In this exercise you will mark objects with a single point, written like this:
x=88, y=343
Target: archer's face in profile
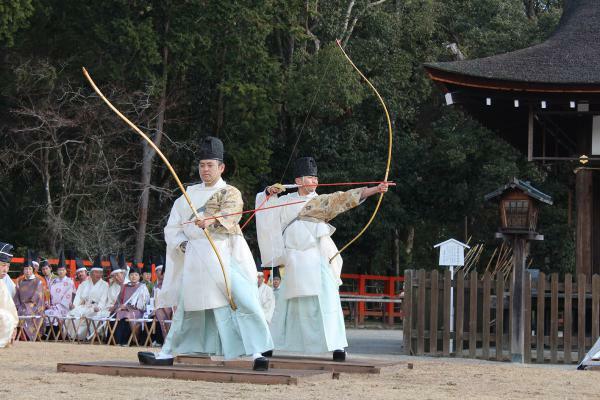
x=308, y=183
x=210, y=171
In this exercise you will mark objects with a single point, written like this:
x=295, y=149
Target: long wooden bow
x=170, y=167
x=389, y=156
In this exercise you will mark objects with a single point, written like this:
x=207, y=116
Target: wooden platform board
x=294, y=363
x=195, y=372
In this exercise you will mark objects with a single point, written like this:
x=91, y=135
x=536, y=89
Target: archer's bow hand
x=275, y=189
x=368, y=192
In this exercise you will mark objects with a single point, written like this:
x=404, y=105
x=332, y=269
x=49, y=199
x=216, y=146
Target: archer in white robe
x=194, y=282
x=89, y=296
x=308, y=316
x=9, y=318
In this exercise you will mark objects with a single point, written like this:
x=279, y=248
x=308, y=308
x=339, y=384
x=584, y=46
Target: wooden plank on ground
x=421, y=313
x=527, y=318
x=499, y=315
x=554, y=318
x=581, y=280
x=407, y=306
x=447, y=307
x=194, y=372
x=433, y=316
x=460, y=311
x=485, y=323
x=539, y=330
x=359, y=366
x=568, y=318
x=473, y=314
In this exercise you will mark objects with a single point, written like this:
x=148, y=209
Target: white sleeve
x=174, y=258
x=269, y=233
x=174, y=234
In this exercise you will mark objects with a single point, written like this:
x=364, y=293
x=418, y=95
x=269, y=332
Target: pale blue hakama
x=222, y=331
x=310, y=324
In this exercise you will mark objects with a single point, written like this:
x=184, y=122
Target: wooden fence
x=561, y=318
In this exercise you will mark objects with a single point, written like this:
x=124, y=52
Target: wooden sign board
x=452, y=253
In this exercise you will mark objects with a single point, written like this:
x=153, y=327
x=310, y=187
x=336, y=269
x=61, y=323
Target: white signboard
x=452, y=253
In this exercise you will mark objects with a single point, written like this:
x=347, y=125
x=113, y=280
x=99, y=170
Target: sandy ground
x=28, y=371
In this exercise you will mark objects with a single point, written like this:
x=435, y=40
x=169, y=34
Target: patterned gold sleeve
x=225, y=201
x=326, y=207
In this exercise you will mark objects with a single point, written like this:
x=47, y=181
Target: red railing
x=378, y=287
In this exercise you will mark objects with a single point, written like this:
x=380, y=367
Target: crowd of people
x=45, y=296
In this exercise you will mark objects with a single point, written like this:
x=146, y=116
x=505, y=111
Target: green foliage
x=263, y=76
x=13, y=16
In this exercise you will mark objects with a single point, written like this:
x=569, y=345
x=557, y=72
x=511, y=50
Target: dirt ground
x=28, y=371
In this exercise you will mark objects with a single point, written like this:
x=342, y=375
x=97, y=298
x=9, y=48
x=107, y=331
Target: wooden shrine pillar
x=584, y=199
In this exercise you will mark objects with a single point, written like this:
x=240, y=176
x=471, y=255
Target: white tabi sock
x=163, y=356
x=256, y=355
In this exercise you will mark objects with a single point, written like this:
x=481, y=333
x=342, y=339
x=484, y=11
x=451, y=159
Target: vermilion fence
x=382, y=290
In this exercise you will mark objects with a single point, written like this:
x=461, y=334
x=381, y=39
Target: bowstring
x=302, y=128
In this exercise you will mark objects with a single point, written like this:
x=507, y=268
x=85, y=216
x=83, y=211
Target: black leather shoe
x=339, y=355
x=268, y=353
x=148, y=358
x=261, y=364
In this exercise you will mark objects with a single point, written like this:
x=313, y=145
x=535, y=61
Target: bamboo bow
x=389, y=155
x=170, y=167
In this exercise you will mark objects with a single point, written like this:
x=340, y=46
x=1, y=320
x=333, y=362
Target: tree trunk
x=148, y=157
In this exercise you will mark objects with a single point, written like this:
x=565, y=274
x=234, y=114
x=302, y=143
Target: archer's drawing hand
x=204, y=223
x=276, y=189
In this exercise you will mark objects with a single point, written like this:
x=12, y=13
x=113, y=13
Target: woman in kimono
x=29, y=300
x=62, y=289
x=130, y=304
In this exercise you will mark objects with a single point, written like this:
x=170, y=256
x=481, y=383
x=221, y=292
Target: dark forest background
x=259, y=75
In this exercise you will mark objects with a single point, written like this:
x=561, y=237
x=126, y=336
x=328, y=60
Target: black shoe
x=261, y=364
x=268, y=353
x=148, y=358
x=339, y=355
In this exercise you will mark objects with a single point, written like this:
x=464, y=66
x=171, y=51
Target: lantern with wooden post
x=519, y=205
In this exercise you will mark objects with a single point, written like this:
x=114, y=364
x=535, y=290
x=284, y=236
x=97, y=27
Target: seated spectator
x=147, y=274
x=9, y=318
x=90, y=300
x=36, y=268
x=61, y=292
x=29, y=299
x=81, y=273
x=47, y=276
x=130, y=304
